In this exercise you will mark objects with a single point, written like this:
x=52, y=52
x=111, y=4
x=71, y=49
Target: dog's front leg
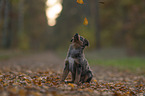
x=73, y=78
x=78, y=73
x=65, y=71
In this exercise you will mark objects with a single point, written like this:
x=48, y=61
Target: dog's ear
x=71, y=40
x=86, y=42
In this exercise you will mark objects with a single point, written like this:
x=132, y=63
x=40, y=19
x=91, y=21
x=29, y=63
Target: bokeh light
x=53, y=10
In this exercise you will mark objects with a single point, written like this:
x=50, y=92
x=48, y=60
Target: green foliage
x=88, y=33
x=23, y=42
x=34, y=27
x=128, y=2
x=15, y=2
x=121, y=24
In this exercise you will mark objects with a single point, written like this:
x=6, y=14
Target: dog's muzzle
x=76, y=37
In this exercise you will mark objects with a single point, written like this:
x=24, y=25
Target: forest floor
x=39, y=75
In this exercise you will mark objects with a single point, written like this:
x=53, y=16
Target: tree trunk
x=21, y=17
x=94, y=7
x=21, y=34
x=1, y=5
x=6, y=24
x=98, y=35
x=9, y=35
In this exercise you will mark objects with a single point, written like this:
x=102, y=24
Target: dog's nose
x=76, y=34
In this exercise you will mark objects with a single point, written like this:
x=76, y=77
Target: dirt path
x=34, y=62
x=41, y=74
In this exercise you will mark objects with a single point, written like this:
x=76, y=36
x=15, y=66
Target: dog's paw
x=69, y=81
x=76, y=82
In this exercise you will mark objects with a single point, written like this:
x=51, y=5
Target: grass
x=116, y=58
x=105, y=57
x=113, y=57
x=4, y=57
x=128, y=63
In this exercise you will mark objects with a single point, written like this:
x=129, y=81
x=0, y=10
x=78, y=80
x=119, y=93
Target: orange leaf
x=80, y=1
x=22, y=92
x=127, y=92
x=71, y=85
x=85, y=21
x=95, y=80
x=1, y=80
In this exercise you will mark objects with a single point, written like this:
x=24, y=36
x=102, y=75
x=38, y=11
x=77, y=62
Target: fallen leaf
x=95, y=80
x=22, y=92
x=71, y=85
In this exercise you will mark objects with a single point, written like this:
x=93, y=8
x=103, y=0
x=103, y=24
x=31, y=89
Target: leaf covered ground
x=39, y=75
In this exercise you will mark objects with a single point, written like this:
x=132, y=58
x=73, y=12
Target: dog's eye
x=81, y=38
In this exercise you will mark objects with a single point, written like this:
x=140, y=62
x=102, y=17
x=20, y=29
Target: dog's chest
x=75, y=53
x=71, y=64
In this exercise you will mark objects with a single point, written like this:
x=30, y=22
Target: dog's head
x=79, y=42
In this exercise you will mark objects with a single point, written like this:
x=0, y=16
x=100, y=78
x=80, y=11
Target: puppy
x=76, y=62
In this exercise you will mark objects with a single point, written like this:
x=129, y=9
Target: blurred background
x=116, y=28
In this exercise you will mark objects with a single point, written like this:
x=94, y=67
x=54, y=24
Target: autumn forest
x=35, y=36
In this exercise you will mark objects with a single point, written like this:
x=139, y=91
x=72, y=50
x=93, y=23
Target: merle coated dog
x=76, y=62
